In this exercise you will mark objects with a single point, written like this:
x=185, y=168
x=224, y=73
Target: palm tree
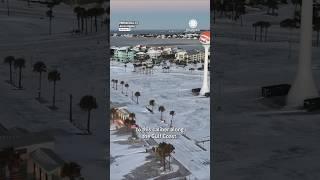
x=289, y=24
x=172, y=113
x=255, y=26
x=152, y=103
x=273, y=5
x=161, y=153
x=168, y=149
x=112, y=83
x=77, y=11
x=39, y=67
x=266, y=26
x=9, y=60
x=137, y=94
x=88, y=103
x=82, y=12
x=132, y=116
x=161, y=110
x=116, y=81
x=20, y=63
x=71, y=170
x=54, y=76
x=127, y=86
x=122, y=83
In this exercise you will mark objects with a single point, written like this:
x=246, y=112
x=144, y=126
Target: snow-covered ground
x=173, y=91
x=251, y=140
x=79, y=59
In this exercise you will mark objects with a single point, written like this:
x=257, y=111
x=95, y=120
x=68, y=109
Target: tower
x=304, y=86
x=205, y=41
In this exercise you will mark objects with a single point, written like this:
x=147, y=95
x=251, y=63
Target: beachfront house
x=124, y=54
x=35, y=157
x=46, y=165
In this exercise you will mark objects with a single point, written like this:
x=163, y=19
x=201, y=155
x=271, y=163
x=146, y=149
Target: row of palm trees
x=264, y=25
x=83, y=15
x=87, y=102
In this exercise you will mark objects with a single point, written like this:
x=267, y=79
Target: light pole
x=205, y=40
x=304, y=86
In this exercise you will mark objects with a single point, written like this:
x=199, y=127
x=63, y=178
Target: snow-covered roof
x=47, y=159
x=21, y=140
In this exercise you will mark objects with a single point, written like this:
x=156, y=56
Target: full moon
x=193, y=23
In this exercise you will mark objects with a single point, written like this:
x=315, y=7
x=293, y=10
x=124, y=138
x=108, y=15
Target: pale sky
x=161, y=14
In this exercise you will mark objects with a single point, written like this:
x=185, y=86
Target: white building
x=154, y=53
x=181, y=55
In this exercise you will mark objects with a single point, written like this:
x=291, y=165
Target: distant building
x=195, y=55
x=154, y=53
x=124, y=54
x=181, y=55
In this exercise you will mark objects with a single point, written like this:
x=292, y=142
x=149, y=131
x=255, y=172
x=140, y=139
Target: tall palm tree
x=116, y=81
x=161, y=153
x=289, y=24
x=122, y=83
x=255, y=26
x=161, y=110
x=137, y=95
x=71, y=170
x=168, y=149
x=77, y=11
x=39, y=67
x=112, y=83
x=9, y=60
x=54, y=76
x=172, y=113
x=266, y=26
x=88, y=103
x=20, y=63
x=152, y=103
x=127, y=86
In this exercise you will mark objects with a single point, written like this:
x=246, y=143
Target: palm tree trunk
x=127, y=92
x=50, y=25
x=8, y=9
x=86, y=25
x=137, y=100
x=255, y=33
x=54, y=94
x=261, y=30
x=88, y=122
x=161, y=116
x=20, y=76
x=70, y=108
x=265, y=34
x=39, y=90
x=96, y=23
x=91, y=23
x=78, y=19
x=82, y=23
x=10, y=72
x=318, y=38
